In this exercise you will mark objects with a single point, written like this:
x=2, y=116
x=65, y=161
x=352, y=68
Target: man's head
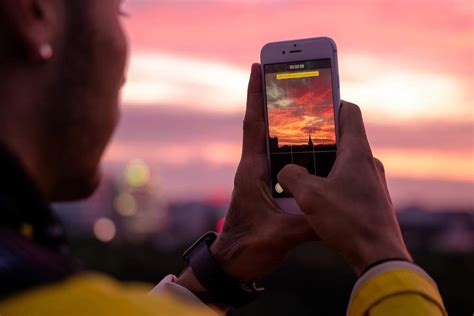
x=58, y=112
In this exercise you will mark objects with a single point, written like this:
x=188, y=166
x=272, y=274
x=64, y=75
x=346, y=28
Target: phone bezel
x=309, y=49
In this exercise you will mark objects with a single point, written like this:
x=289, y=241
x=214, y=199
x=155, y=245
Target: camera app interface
x=300, y=118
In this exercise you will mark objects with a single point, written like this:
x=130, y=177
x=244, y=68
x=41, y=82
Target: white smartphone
x=301, y=92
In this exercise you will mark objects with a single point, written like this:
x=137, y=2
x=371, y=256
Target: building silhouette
x=273, y=144
x=310, y=142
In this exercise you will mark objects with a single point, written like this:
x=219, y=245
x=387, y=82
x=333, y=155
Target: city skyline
x=310, y=146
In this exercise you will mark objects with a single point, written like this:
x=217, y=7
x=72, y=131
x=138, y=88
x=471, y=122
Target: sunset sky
x=301, y=107
x=408, y=64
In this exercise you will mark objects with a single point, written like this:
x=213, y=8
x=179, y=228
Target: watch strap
x=221, y=287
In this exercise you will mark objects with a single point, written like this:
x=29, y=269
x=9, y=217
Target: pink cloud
x=415, y=33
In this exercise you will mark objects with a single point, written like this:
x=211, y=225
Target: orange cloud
x=300, y=108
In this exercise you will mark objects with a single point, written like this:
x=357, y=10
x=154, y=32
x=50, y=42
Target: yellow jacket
x=392, y=288
x=396, y=288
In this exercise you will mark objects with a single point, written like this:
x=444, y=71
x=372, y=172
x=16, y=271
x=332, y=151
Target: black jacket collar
x=33, y=247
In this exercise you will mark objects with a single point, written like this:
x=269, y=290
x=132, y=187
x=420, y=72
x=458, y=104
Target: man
x=63, y=65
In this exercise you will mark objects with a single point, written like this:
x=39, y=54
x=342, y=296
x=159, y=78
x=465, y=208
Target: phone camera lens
x=283, y=52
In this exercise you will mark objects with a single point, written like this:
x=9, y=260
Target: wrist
x=188, y=280
x=373, y=253
x=225, y=252
x=208, y=280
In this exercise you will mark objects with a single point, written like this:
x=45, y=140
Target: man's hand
x=257, y=235
x=351, y=209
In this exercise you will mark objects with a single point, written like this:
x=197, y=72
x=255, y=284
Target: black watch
x=220, y=287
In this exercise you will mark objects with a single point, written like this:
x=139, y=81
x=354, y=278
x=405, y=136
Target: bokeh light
x=125, y=204
x=137, y=173
x=104, y=229
x=220, y=224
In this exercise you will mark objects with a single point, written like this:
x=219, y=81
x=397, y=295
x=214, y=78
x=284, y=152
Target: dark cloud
x=173, y=125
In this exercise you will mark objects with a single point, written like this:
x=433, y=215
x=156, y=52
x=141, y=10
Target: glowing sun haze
x=408, y=64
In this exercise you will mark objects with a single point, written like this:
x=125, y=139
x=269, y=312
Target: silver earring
x=46, y=51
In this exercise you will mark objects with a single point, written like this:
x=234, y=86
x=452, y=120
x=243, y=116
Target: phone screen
x=300, y=111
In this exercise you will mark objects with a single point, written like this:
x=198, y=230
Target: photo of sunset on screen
x=301, y=124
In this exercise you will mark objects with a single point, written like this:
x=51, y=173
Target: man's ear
x=30, y=26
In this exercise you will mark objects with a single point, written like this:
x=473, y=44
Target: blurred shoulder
x=95, y=294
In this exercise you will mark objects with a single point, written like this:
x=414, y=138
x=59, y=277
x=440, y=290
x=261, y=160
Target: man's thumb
x=297, y=181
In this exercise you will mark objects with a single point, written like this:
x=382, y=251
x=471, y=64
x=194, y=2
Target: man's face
x=85, y=97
